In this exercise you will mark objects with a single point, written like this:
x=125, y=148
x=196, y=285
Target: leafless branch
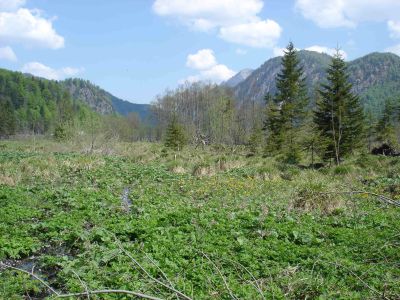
x=182, y=295
x=32, y=275
x=222, y=276
x=140, y=295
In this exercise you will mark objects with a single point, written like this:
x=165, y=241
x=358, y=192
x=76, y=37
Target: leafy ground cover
x=220, y=227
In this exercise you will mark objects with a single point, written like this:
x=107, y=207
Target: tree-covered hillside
x=375, y=78
x=102, y=101
x=33, y=105
x=30, y=104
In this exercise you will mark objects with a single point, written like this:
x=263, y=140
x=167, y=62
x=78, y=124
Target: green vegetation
x=175, y=135
x=248, y=227
x=32, y=105
x=339, y=115
x=87, y=209
x=286, y=111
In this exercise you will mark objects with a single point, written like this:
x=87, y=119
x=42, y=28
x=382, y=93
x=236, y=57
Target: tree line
x=34, y=106
x=286, y=125
x=329, y=125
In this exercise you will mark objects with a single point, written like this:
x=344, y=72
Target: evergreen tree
x=255, y=140
x=175, y=135
x=286, y=112
x=339, y=114
x=386, y=125
x=272, y=125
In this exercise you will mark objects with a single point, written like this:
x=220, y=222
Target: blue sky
x=138, y=48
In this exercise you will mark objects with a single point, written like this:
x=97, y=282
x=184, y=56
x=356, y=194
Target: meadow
x=133, y=219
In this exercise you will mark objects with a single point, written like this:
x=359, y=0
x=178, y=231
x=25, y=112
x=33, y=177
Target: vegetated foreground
x=211, y=226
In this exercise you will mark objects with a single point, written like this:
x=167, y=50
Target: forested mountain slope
x=102, y=101
x=31, y=104
x=376, y=77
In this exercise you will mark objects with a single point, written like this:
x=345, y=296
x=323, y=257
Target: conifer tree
x=386, y=125
x=285, y=114
x=339, y=114
x=255, y=140
x=175, y=135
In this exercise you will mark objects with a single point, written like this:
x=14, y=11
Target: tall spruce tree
x=339, y=115
x=286, y=112
x=175, y=135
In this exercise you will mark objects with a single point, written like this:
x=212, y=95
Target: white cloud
x=394, y=49
x=207, y=14
x=236, y=21
x=217, y=74
x=7, y=53
x=11, y=5
x=326, y=50
x=394, y=28
x=41, y=70
x=258, y=34
x=278, y=51
x=203, y=59
x=29, y=28
x=348, y=13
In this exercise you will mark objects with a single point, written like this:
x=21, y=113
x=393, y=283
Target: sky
x=136, y=49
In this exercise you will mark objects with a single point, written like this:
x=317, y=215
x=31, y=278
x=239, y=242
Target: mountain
x=375, y=77
x=102, y=101
x=31, y=104
x=238, y=78
x=124, y=108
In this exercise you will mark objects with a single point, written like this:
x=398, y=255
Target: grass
x=218, y=225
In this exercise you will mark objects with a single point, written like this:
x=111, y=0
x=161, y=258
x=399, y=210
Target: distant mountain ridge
x=238, y=78
x=102, y=101
x=375, y=77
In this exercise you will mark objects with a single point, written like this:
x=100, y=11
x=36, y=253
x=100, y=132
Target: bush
x=60, y=133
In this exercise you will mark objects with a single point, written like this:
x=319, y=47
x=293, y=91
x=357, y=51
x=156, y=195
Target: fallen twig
x=222, y=276
x=255, y=284
x=162, y=272
x=140, y=295
x=30, y=274
x=83, y=284
x=182, y=295
x=382, y=198
x=87, y=293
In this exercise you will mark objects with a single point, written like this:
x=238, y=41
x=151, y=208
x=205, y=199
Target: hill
x=33, y=104
x=102, y=101
x=30, y=104
x=238, y=78
x=375, y=77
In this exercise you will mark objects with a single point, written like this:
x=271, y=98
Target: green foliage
x=60, y=133
x=286, y=113
x=388, y=124
x=63, y=212
x=7, y=118
x=339, y=115
x=175, y=135
x=291, y=229
x=33, y=105
x=255, y=140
